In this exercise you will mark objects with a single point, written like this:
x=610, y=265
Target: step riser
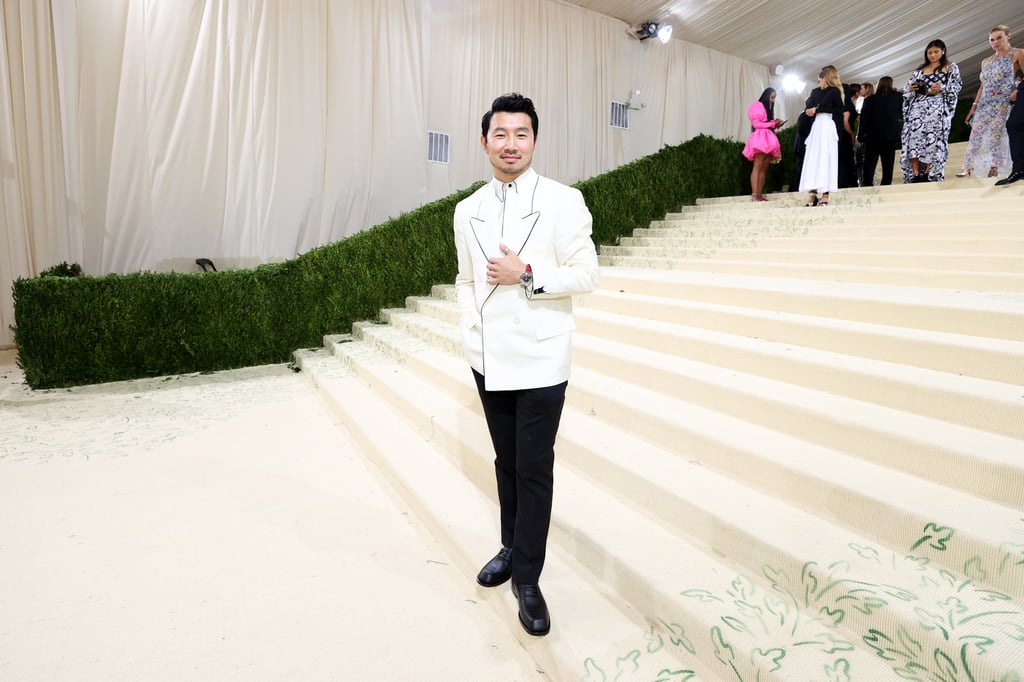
x=464, y=441
x=743, y=233
x=909, y=195
x=852, y=245
x=946, y=467
x=464, y=536
x=450, y=433
x=900, y=213
x=995, y=263
x=983, y=413
x=993, y=324
x=935, y=246
x=751, y=451
x=628, y=577
x=828, y=498
x=807, y=421
x=877, y=344
x=931, y=279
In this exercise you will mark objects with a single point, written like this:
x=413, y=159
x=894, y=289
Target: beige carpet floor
x=218, y=527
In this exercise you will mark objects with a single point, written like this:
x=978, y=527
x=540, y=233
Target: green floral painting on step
x=928, y=623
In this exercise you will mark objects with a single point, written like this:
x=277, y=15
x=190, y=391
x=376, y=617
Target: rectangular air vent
x=620, y=115
x=437, y=147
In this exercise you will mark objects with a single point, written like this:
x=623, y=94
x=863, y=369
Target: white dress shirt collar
x=526, y=179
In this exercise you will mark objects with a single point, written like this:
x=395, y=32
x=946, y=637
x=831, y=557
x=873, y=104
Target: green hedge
x=73, y=330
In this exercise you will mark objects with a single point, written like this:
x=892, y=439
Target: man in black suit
x=880, y=130
x=1015, y=125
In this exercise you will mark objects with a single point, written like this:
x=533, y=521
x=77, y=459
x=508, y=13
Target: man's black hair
x=512, y=103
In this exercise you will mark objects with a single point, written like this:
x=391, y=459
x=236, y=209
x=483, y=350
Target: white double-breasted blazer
x=513, y=339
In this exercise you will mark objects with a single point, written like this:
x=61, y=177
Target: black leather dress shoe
x=497, y=570
x=1011, y=178
x=533, y=610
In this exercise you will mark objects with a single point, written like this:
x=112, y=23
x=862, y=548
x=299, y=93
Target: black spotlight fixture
x=652, y=29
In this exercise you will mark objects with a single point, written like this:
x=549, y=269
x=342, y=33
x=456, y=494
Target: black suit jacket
x=880, y=118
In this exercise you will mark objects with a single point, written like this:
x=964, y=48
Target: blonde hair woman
x=825, y=105
x=989, y=146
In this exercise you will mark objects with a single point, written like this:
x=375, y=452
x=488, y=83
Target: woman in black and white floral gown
x=929, y=101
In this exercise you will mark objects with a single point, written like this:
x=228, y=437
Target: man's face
x=509, y=144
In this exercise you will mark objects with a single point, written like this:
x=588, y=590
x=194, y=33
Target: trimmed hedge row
x=73, y=330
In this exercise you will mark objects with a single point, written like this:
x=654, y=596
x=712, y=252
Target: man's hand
x=505, y=269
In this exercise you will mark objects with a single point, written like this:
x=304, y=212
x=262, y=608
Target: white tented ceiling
x=864, y=40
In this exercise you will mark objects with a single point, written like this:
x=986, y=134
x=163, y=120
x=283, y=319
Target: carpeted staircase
x=793, y=446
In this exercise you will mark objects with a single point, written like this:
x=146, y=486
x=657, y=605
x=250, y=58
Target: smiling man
x=524, y=249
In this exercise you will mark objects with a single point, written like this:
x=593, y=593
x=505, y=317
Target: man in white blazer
x=524, y=249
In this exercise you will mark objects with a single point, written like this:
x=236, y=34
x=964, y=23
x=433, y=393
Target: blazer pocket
x=549, y=323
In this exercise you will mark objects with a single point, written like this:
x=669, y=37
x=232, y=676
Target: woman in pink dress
x=762, y=145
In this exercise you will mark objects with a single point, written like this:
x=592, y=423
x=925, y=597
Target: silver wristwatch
x=526, y=279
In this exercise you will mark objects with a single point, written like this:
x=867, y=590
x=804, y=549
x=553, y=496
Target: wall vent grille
x=620, y=115
x=437, y=146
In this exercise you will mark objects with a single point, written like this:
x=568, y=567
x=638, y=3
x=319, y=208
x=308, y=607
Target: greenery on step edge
x=74, y=329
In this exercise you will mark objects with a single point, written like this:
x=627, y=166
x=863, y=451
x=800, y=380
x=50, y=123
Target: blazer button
x=515, y=320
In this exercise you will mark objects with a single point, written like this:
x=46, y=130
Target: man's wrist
x=526, y=279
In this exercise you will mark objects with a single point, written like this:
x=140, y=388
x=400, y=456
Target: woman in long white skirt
x=820, y=171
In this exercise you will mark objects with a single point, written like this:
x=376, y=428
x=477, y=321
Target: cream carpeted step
x=745, y=233
x=650, y=567
x=905, y=276
x=994, y=405
x=762, y=473
x=992, y=262
x=913, y=200
x=967, y=355
x=990, y=315
x=931, y=244
x=588, y=621
x=815, y=416
x=682, y=494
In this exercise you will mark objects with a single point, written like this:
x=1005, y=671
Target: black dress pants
x=1015, y=130
x=873, y=151
x=523, y=424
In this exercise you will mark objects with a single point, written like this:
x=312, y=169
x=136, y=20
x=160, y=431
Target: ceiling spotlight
x=793, y=84
x=648, y=29
x=652, y=29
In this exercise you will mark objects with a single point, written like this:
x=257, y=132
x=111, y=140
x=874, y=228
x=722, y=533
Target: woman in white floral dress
x=929, y=101
x=989, y=145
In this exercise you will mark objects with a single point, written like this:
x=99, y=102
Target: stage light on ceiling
x=793, y=84
x=652, y=29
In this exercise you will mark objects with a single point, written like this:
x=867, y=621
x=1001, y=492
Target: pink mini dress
x=763, y=140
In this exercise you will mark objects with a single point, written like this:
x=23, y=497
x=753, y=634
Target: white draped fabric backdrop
x=143, y=134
